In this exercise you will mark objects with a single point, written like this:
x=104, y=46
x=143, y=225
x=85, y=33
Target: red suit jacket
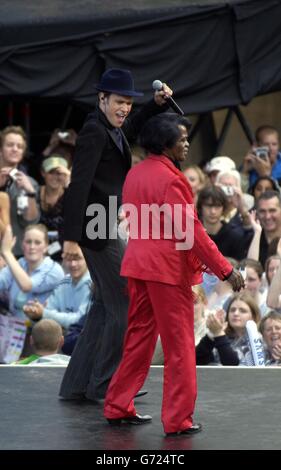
x=157, y=181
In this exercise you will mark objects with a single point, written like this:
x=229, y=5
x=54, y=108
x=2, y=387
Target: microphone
x=158, y=86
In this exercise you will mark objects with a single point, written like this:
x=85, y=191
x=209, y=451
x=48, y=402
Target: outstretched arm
x=22, y=278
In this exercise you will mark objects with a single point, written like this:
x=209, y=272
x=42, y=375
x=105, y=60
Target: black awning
x=214, y=55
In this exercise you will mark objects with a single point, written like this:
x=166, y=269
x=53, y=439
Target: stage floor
x=239, y=408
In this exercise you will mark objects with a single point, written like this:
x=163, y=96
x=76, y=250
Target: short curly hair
x=162, y=132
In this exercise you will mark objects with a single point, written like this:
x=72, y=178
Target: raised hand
x=161, y=95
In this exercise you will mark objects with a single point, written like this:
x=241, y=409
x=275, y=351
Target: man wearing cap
x=218, y=164
x=101, y=162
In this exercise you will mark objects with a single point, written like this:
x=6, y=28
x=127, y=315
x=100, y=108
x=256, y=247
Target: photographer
x=21, y=188
x=264, y=158
x=239, y=203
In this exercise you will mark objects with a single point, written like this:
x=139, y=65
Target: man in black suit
x=101, y=162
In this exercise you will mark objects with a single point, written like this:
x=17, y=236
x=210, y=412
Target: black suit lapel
x=126, y=148
x=112, y=134
x=114, y=137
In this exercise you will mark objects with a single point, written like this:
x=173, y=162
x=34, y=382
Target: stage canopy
x=213, y=54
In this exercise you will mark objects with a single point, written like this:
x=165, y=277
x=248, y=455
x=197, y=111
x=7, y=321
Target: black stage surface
x=238, y=407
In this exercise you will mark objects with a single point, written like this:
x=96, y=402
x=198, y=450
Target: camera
x=261, y=152
x=228, y=190
x=63, y=135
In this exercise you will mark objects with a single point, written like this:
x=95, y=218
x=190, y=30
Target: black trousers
x=100, y=345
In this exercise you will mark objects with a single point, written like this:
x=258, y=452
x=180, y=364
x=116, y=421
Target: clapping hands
x=216, y=323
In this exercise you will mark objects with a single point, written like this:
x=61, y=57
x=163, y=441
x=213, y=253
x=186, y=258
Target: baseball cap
x=220, y=164
x=53, y=162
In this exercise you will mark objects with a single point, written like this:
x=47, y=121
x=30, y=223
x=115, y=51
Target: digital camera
x=13, y=174
x=261, y=152
x=228, y=190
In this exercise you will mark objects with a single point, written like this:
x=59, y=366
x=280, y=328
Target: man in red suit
x=160, y=275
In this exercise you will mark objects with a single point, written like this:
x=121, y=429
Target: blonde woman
x=34, y=276
x=196, y=178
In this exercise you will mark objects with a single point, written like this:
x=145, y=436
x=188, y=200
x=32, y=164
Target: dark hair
x=274, y=184
x=269, y=195
x=162, y=132
x=106, y=94
x=215, y=194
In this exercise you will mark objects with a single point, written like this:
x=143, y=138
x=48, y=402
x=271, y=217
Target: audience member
x=30, y=277
x=253, y=282
x=226, y=342
x=263, y=184
x=212, y=204
x=46, y=340
x=217, y=164
x=22, y=189
x=196, y=178
x=267, y=164
x=56, y=176
x=269, y=215
x=270, y=328
x=239, y=203
x=70, y=299
x=271, y=267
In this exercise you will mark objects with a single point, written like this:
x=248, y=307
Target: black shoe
x=138, y=419
x=80, y=397
x=73, y=397
x=140, y=393
x=194, y=429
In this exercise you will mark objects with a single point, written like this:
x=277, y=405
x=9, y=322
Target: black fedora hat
x=119, y=81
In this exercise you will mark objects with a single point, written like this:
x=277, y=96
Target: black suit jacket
x=99, y=171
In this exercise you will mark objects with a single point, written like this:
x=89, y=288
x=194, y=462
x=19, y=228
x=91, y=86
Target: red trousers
x=157, y=308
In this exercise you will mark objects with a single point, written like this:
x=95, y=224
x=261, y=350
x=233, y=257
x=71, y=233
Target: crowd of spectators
x=240, y=208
